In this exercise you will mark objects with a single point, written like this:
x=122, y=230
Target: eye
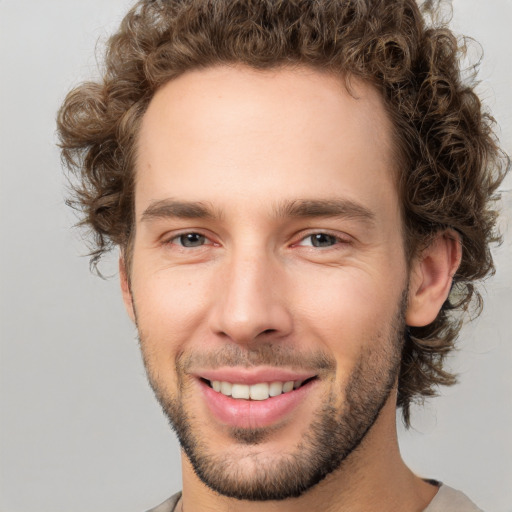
x=189, y=240
x=320, y=240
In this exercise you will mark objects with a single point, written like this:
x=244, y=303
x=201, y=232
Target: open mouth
x=259, y=391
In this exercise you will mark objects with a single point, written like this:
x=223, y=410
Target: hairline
x=398, y=152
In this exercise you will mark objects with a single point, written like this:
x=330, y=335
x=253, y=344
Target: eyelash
x=335, y=239
x=172, y=241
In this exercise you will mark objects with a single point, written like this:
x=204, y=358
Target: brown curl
x=449, y=162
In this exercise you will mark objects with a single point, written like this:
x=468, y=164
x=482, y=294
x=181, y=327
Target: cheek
x=346, y=310
x=170, y=308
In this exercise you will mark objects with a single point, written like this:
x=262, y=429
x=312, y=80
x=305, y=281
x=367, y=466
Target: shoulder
x=168, y=505
x=448, y=499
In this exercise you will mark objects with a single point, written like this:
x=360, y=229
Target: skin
x=244, y=143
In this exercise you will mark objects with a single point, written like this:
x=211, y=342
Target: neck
x=373, y=477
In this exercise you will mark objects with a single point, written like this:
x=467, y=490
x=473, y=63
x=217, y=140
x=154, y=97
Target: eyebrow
x=312, y=208
x=298, y=208
x=170, y=208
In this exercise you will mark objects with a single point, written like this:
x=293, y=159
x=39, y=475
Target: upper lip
x=252, y=376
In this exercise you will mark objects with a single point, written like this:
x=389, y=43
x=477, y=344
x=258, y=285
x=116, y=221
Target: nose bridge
x=250, y=299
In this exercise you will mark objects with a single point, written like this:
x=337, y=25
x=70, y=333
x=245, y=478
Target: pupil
x=192, y=240
x=322, y=240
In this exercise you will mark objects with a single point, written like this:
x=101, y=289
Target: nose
x=250, y=304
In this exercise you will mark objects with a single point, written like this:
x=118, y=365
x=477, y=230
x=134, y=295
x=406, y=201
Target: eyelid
x=341, y=238
x=168, y=238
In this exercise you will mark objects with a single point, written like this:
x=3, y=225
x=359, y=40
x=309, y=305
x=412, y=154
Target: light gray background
x=80, y=430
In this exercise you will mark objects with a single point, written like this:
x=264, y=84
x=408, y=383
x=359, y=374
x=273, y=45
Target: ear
x=125, y=288
x=431, y=278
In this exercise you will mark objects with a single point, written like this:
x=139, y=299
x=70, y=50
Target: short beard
x=329, y=440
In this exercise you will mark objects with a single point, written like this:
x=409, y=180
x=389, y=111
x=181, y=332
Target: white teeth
x=225, y=388
x=276, y=388
x=240, y=391
x=260, y=391
x=288, y=386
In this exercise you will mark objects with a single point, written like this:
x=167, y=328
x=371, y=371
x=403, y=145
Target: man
x=296, y=188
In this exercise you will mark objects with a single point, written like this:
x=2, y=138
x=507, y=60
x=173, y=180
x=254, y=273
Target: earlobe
x=431, y=278
x=125, y=288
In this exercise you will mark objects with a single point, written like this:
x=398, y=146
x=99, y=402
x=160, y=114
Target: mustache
x=264, y=354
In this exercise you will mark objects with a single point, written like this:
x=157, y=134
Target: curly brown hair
x=449, y=162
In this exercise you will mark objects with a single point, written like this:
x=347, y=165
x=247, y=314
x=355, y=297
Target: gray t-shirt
x=446, y=500
x=451, y=500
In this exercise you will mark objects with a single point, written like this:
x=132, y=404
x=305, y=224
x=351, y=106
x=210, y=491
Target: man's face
x=268, y=260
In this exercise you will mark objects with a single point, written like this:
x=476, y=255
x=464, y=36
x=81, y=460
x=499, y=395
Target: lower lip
x=253, y=413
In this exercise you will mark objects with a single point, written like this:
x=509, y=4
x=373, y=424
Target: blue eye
x=320, y=240
x=190, y=240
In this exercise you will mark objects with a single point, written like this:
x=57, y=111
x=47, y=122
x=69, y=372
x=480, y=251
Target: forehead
x=276, y=134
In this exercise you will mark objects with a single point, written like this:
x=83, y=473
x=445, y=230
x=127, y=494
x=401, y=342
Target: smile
x=258, y=391
x=254, y=401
